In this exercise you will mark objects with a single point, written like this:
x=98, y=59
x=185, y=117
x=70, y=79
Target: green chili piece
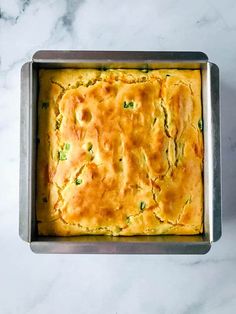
x=200, y=125
x=90, y=148
x=62, y=155
x=142, y=205
x=78, y=181
x=129, y=104
x=67, y=146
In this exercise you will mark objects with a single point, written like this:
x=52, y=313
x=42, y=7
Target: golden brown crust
x=120, y=152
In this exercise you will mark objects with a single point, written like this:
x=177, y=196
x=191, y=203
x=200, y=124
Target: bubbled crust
x=138, y=169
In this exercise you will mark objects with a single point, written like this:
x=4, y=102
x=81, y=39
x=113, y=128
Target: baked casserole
x=120, y=152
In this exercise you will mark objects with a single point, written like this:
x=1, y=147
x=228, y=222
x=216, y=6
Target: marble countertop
x=31, y=283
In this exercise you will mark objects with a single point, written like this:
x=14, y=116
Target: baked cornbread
x=120, y=152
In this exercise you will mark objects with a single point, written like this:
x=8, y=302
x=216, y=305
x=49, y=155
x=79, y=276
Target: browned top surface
x=120, y=152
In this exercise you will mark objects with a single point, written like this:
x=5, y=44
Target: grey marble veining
x=32, y=283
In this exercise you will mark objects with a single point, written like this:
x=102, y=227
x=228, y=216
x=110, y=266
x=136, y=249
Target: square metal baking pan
x=166, y=244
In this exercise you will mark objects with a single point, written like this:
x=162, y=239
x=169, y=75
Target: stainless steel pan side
x=25, y=181
x=28, y=136
x=119, y=59
x=118, y=56
x=216, y=166
x=136, y=245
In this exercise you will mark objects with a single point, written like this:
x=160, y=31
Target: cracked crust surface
x=120, y=152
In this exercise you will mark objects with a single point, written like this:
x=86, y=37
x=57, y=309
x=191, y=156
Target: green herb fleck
x=62, y=155
x=45, y=105
x=78, y=181
x=129, y=104
x=90, y=148
x=89, y=83
x=154, y=120
x=103, y=68
x=127, y=220
x=144, y=68
x=200, y=125
x=117, y=229
x=66, y=147
x=142, y=205
x=45, y=200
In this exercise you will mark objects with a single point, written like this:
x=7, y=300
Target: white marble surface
x=32, y=283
